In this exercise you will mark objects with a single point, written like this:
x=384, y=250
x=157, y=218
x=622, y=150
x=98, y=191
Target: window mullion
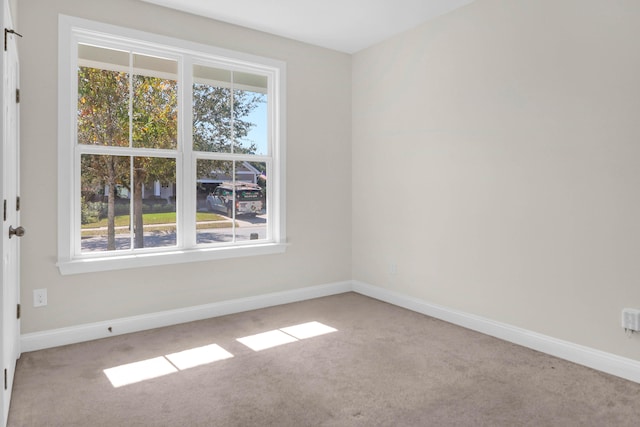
x=132, y=183
x=187, y=221
x=75, y=232
x=238, y=157
x=231, y=122
x=131, y=203
x=126, y=151
x=233, y=179
x=270, y=201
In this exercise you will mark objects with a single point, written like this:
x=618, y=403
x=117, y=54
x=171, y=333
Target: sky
x=259, y=133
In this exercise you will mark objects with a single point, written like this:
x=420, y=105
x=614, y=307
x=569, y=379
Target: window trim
x=70, y=31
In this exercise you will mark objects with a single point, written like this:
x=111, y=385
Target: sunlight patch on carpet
x=308, y=330
x=136, y=372
x=198, y=356
x=266, y=340
x=139, y=371
x=286, y=335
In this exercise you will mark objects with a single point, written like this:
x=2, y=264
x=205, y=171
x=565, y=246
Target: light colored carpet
x=383, y=366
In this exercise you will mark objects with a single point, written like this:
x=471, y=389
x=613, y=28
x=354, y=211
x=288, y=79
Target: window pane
x=154, y=202
x=215, y=207
x=105, y=203
x=231, y=201
x=155, y=102
x=250, y=113
x=103, y=97
x=251, y=201
x=212, y=119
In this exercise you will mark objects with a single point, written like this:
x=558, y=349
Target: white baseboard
x=91, y=331
x=586, y=356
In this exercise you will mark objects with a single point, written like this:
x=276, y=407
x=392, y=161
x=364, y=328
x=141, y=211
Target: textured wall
x=496, y=155
x=318, y=162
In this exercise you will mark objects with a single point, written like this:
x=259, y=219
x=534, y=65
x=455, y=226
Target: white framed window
x=169, y=151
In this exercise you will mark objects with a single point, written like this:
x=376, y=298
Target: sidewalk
x=168, y=225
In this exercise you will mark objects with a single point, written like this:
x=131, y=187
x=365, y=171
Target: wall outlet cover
x=39, y=297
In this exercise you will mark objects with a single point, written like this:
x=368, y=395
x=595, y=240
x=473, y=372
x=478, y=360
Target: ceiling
x=343, y=25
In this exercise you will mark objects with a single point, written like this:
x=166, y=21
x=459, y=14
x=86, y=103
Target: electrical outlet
x=631, y=319
x=39, y=297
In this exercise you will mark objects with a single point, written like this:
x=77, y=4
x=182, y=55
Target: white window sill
x=107, y=263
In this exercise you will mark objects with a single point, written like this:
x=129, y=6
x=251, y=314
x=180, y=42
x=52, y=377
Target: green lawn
x=155, y=218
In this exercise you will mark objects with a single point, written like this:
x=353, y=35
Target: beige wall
x=319, y=162
x=514, y=129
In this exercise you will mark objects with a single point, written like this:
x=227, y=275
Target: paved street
x=246, y=229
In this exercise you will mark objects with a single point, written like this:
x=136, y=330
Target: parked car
x=249, y=199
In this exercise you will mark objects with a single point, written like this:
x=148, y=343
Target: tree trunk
x=138, y=224
x=111, y=204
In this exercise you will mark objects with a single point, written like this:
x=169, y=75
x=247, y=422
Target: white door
x=10, y=211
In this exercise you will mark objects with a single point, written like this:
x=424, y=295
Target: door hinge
x=5, y=209
x=6, y=32
x=6, y=386
x=17, y=203
x=17, y=96
x=18, y=314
